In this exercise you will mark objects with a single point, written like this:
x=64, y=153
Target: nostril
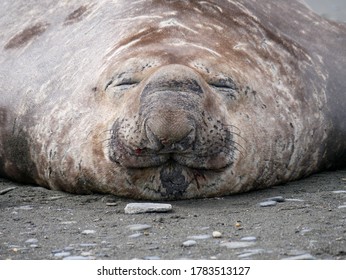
x=187, y=141
x=169, y=136
x=153, y=142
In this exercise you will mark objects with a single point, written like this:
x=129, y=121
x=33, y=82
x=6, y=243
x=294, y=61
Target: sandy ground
x=310, y=224
x=40, y=224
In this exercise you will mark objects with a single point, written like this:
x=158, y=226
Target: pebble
x=68, y=222
x=152, y=258
x=77, y=258
x=62, y=254
x=249, y=253
x=295, y=199
x=245, y=255
x=31, y=240
x=25, y=207
x=111, y=203
x=7, y=190
x=248, y=238
x=204, y=228
x=136, y=208
x=69, y=248
x=268, y=203
x=189, y=243
x=138, y=227
x=342, y=206
x=199, y=237
x=276, y=198
x=55, y=197
x=88, y=231
x=305, y=230
x=217, y=234
x=135, y=235
x=339, y=191
x=301, y=257
x=87, y=244
x=237, y=244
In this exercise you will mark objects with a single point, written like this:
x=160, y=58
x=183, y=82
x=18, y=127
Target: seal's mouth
x=139, y=158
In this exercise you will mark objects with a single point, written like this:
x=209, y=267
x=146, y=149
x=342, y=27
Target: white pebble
x=88, y=231
x=62, y=254
x=217, y=234
x=32, y=240
x=77, y=258
x=249, y=238
x=135, y=235
x=301, y=257
x=189, y=243
x=199, y=237
x=268, y=203
x=138, y=227
x=237, y=244
x=136, y=208
x=339, y=191
x=295, y=199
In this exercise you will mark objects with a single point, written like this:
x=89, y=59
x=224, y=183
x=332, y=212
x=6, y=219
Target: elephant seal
x=141, y=99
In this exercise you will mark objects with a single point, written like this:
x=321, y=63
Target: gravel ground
x=308, y=222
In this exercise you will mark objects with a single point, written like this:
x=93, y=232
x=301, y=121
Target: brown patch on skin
x=77, y=15
x=26, y=35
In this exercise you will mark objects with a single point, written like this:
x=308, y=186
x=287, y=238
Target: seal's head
x=174, y=128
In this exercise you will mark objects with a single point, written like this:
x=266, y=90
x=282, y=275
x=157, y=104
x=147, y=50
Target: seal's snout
x=170, y=131
x=169, y=108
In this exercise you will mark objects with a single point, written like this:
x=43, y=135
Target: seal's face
x=176, y=127
x=172, y=130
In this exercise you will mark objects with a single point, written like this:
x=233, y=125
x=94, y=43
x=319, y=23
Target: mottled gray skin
x=169, y=99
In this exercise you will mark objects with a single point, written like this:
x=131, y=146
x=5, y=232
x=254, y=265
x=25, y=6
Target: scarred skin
x=168, y=100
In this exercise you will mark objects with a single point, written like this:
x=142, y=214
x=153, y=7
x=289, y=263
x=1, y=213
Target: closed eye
x=225, y=86
x=122, y=84
x=126, y=83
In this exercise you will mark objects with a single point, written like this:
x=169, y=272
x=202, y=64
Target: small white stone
x=68, y=222
x=217, y=234
x=237, y=244
x=136, y=208
x=248, y=238
x=268, y=203
x=77, y=258
x=189, y=243
x=199, y=237
x=32, y=240
x=25, y=207
x=138, y=227
x=62, y=254
x=135, y=235
x=88, y=231
x=276, y=198
x=295, y=199
x=301, y=257
x=339, y=191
